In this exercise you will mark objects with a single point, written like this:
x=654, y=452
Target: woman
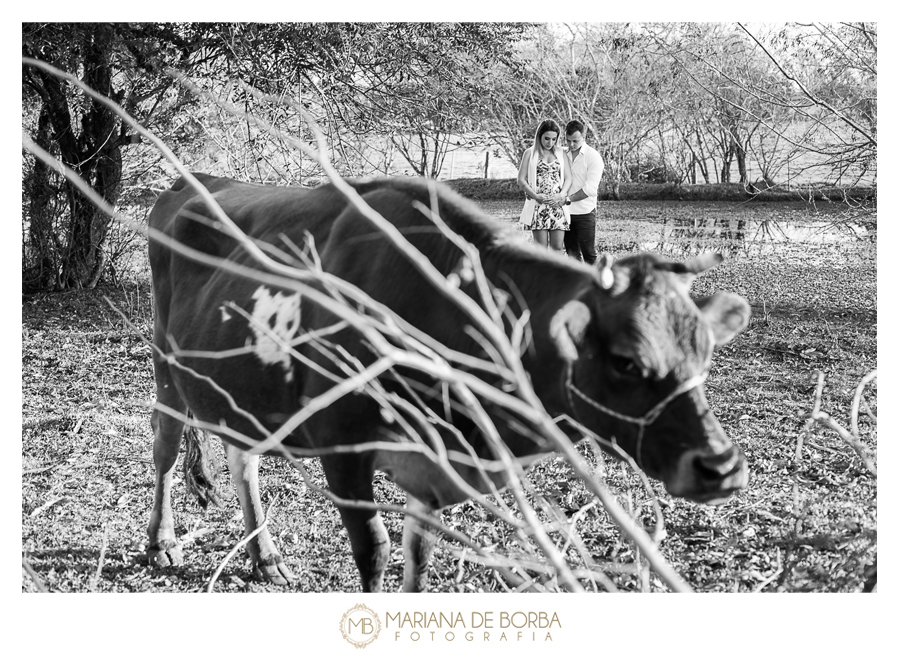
x=545, y=177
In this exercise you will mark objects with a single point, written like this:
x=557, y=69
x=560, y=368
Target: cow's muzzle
x=709, y=477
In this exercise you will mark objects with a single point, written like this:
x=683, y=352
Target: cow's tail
x=201, y=467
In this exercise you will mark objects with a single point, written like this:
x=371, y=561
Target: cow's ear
x=687, y=271
x=568, y=328
x=726, y=313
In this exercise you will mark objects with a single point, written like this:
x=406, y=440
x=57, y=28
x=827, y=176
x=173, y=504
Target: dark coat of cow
x=612, y=348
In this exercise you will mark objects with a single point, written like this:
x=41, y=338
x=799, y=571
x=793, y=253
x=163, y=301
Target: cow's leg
x=163, y=549
x=268, y=564
x=350, y=477
x=418, y=543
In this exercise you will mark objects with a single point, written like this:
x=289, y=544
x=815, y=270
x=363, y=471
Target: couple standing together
x=561, y=187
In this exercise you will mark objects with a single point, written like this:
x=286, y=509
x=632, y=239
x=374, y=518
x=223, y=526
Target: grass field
x=806, y=523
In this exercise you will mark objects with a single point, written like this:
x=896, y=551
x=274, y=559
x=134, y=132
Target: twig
x=34, y=471
x=38, y=583
x=854, y=408
x=869, y=412
x=827, y=421
x=768, y=580
x=47, y=505
x=92, y=586
x=380, y=328
x=194, y=535
x=501, y=581
x=798, y=452
x=233, y=551
x=659, y=529
x=817, y=404
x=856, y=126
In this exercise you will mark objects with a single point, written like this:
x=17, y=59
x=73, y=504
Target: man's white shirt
x=587, y=170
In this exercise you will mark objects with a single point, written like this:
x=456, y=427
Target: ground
x=806, y=523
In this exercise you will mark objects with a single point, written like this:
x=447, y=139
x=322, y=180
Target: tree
x=409, y=85
x=362, y=82
x=65, y=232
x=799, y=95
x=603, y=74
x=830, y=73
x=633, y=109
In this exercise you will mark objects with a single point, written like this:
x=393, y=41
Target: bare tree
x=602, y=74
x=806, y=92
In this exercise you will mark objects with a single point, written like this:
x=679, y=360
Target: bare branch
x=854, y=409
x=812, y=97
x=392, y=346
x=234, y=550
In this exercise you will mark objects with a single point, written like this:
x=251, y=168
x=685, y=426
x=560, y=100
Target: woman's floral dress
x=549, y=181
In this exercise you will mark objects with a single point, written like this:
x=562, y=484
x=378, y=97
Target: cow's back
x=204, y=307
x=262, y=212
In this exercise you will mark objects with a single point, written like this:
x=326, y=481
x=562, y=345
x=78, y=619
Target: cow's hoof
x=273, y=570
x=166, y=554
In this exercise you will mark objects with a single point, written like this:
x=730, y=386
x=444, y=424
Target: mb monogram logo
x=360, y=626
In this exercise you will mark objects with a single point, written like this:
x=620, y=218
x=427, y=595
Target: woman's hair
x=547, y=126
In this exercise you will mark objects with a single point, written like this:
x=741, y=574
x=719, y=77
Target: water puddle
x=686, y=228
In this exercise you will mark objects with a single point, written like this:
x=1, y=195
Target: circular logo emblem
x=360, y=626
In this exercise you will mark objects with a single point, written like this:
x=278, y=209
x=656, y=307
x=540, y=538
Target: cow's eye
x=624, y=366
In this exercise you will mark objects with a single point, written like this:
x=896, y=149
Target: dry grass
x=87, y=465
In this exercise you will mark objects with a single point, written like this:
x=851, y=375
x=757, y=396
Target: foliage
x=855, y=200
x=360, y=81
x=482, y=189
x=777, y=102
x=784, y=103
x=798, y=94
x=64, y=233
x=410, y=85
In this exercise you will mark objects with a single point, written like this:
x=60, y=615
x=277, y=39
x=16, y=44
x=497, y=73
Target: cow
x=621, y=348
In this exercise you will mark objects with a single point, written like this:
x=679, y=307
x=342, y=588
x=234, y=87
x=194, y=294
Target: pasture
x=807, y=522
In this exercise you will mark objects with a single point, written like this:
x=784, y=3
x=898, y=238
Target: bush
x=506, y=189
x=653, y=171
x=488, y=189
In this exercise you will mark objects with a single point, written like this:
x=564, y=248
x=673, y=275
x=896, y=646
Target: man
x=587, y=169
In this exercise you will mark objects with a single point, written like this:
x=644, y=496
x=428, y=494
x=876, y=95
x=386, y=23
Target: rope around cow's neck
x=647, y=419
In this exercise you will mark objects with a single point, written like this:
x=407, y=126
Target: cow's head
x=637, y=350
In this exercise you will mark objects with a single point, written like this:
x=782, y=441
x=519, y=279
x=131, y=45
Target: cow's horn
x=604, y=267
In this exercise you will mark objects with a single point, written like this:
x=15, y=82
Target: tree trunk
x=727, y=157
x=740, y=154
x=67, y=243
x=614, y=194
x=700, y=159
x=39, y=267
x=83, y=257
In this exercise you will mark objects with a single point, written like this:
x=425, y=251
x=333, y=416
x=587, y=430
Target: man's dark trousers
x=581, y=238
